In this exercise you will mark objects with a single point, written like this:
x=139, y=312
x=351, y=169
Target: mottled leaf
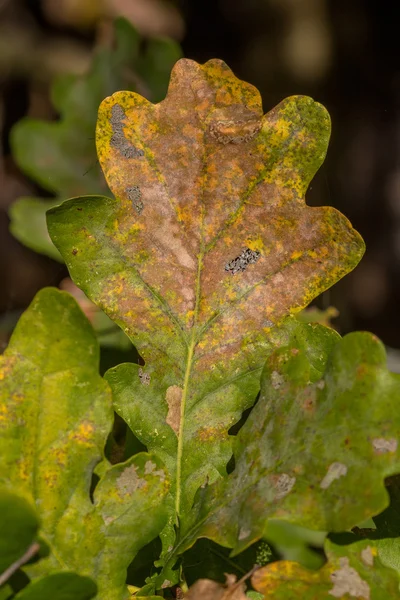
x=55, y=416
x=353, y=571
x=206, y=248
x=61, y=155
x=314, y=451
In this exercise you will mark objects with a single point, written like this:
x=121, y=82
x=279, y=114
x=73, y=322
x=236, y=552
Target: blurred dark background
x=344, y=54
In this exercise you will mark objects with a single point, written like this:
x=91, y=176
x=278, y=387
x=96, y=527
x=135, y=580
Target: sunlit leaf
x=55, y=416
x=206, y=249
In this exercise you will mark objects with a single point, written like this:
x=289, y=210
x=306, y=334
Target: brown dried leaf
x=206, y=589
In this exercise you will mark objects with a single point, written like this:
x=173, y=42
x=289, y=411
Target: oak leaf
x=206, y=249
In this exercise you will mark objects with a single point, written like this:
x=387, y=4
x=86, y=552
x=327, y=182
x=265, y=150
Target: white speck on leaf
x=277, y=380
x=335, y=471
x=283, y=485
x=346, y=580
x=244, y=533
x=381, y=446
x=367, y=556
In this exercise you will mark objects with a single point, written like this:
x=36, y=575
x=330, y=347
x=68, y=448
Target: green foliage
x=56, y=414
x=18, y=525
x=204, y=258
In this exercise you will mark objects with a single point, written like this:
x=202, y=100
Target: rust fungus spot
x=118, y=139
x=209, y=433
x=144, y=377
x=135, y=195
x=241, y=262
x=309, y=403
x=173, y=397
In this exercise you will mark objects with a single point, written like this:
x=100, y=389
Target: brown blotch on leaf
x=209, y=433
x=74, y=251
x=173, y=397
x=234, y=125
x=206, y=589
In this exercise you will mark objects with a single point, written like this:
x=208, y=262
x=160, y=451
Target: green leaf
x=206, y=250
x=295, y=543
x=18, y=528
x=352, y=571
x=384, y=531
x=28, y=224
x=314, y=451
x=60, y=586
x=61, y=156
x=55, y=417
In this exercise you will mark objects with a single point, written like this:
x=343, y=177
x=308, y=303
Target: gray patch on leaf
x=382, y=446
x=144, y=377
x=241, y=262
x=150, y=469
x=277, y=380
x=118, y=139
x=129, y=481
x=335, y=471
x=135, y=195
x=346, y=580
x=367, y=556
x=321, y=384
x=284, y=485
x=243, y=534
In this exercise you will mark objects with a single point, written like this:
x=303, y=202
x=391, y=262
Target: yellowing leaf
x=207, y=247
x=352, y=572
x=55, y=417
